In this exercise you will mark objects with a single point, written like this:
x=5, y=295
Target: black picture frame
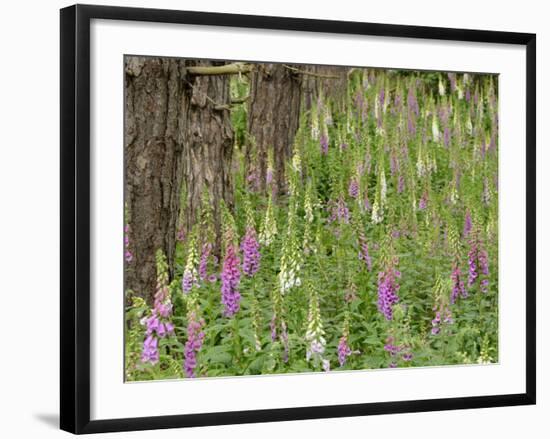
x=75, y=217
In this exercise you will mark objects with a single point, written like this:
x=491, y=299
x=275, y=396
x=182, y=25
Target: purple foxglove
x=251, y=252
x=150, y=353
x=195, y=338
x=458, y=289
x=387, y=291
x=412, y=102
x=353, y=189
x=339, y=211
x=158, y=324
x=344, y=350
x=230, y=277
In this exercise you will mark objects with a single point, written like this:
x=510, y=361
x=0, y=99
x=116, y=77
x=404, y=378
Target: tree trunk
x=208, y=145
x=154, y=123
x=331, y=82
x=273, y=119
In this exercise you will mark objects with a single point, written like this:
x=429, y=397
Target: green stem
x=236, y=339
x=322, y=271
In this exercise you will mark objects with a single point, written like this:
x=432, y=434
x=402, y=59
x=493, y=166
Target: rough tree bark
x=154, y=121
x=330, y=81
x=208, y=145
x=178, y=136
x=273, y=119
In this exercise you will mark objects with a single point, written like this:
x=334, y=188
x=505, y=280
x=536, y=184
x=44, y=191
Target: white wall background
x=29, y=249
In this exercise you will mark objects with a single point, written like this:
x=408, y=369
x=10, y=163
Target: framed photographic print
x=268, y=218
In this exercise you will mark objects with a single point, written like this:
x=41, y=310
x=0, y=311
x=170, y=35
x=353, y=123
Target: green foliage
x=239, y=117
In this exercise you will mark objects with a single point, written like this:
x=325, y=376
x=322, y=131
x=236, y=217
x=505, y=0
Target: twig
x=305, y=72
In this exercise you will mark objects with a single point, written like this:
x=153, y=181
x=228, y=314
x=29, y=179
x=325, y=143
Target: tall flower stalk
x=315, y=334
x=388, y=285
x=195, y=334
x=324, y=139
x=379, y=204
x=256, y=322
x=195, y=339
x=364, y=255
x=207, y=239
x=250, y=246
x=467, y=225
x=206, y=252
x=443, y=315
x=231, y=274
x=230, y=277
x=344, y=350
x=190, y=274
x=339, y=211
x=353, y=188
x=269, y=226
x=158, y=324
x=308, y=240
x=289, y=274
x=478, y=261
x=278, y=324
x=457, y=282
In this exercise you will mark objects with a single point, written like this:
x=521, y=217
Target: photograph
x=297, y=218
x=271, y=220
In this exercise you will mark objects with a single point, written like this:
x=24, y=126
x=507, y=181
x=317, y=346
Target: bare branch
x=227, y=69
x=236, y=101
x=305, y=72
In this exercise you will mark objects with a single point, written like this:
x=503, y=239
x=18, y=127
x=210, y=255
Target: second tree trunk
x=273, y=119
